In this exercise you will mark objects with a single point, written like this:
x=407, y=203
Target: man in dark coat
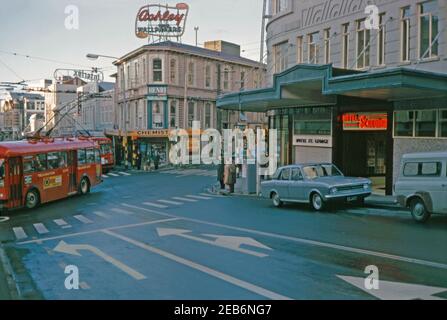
x=220, y=174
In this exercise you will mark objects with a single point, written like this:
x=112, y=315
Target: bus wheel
x=32, y=199
x=84, y=186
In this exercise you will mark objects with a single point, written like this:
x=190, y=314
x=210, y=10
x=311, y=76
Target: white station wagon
x=422, y=184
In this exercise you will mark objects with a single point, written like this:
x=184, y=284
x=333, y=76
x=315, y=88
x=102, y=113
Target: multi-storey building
x=169, y=85
x=354, y=88
x=18, y=108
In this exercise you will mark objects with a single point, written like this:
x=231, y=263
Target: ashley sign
x=158, y=20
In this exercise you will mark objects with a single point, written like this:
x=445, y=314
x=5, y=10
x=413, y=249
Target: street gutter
x=9, y=289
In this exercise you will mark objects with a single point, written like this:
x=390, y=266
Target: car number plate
x=351, y=199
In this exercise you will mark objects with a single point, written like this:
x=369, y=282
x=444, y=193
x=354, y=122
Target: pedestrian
x=138, y=159
x=156, y=159
x=230, y=176
x=220, y=173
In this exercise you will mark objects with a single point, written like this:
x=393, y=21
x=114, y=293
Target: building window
x=157, y=115
x=425, y=123
x=428, y=30
x=191, y=113
x=299, y=49
x=280, y=56
x=363, y=45
x=208, y=76
x=381, y=41
x=404, y=123
x=226, y=79
x=144, y=71
x=242, y=80
x=191, y=73
x=207, y=113
x=136, y=73
x=313, y=47
x=173, y=71
x=157, y=69
x=442, y=124
x=313, y=121
x=278, y=6
x=345, y=45
x=173, y=111
x=327, y=45
x=405, y=34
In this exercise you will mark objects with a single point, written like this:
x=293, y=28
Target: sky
x=37, y=29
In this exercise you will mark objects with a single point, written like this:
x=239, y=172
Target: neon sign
x=365, y=121
x=161, y=21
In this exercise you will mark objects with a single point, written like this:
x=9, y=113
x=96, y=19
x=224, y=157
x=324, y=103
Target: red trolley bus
x=107, y=155
x=38, y=171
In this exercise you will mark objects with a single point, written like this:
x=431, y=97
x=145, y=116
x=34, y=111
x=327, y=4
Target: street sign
x=396, y=290
x=73, y=250
x=228, y=242
x=92, y=75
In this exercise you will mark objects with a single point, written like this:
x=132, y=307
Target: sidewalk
x=373, y=201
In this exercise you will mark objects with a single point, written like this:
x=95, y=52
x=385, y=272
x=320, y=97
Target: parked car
x=422, y=184
x=316, y=184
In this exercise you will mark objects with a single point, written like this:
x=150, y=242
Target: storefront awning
x=319, y=85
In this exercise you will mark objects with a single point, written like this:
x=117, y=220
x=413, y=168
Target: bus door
x=72, y=167
x=15, y=182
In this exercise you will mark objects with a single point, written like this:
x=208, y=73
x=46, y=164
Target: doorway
x=365, y=155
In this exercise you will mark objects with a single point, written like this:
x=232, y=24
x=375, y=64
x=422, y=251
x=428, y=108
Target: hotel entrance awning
x=319, y=85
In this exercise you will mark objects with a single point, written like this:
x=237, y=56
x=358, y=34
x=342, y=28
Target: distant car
x=422, y=184
x=316, y=184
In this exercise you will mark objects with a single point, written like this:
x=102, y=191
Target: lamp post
x=93, y=56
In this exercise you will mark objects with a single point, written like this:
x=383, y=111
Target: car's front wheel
x=276, y=200
x=317, y=202
x=419, y=210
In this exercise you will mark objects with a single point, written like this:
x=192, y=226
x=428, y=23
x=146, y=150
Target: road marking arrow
x=4, y=219
x=73, y=249
x=231, y=243
x=396, y=290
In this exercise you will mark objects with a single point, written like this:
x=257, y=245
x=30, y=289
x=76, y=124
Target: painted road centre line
x=71, y=235
x=302, y=240
x=214, y=273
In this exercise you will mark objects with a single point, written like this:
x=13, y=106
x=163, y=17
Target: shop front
x=361, y=121
x=149, y=147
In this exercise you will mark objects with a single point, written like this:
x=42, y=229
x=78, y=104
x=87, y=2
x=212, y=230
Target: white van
x=422, y=184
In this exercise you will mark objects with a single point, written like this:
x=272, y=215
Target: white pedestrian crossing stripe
x=105, y=176
x=101, y=214
x=191, y=172
x=176, y=203
x=83, y=219
x=199, y=197
x=124, y=173
x=155, y=205
x=62, y=223
x=184, y=199
x=40, y=228
x=113, y=174
x=121, y=211
x=19, y=233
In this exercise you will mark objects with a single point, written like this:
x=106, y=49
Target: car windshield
x=321, y=170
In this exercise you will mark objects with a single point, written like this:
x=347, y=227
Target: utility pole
x=264, y=16
x=196, y=29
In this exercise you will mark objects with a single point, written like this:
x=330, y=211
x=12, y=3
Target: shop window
x=157, y=70
x=425, y=123
x=363, y=45
x=306, y=127
x=428, y=30
x=313, y=47
x=345, y=45
x=405, y=34
x=403, y=123
x=442, y=124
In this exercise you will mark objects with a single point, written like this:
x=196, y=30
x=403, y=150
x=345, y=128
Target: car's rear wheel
x=32, y=199
x=419, y=210
x=317, y=201
x=84, y=186
x=276, y=200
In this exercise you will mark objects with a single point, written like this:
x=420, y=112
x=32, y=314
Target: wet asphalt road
x=162, y=236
